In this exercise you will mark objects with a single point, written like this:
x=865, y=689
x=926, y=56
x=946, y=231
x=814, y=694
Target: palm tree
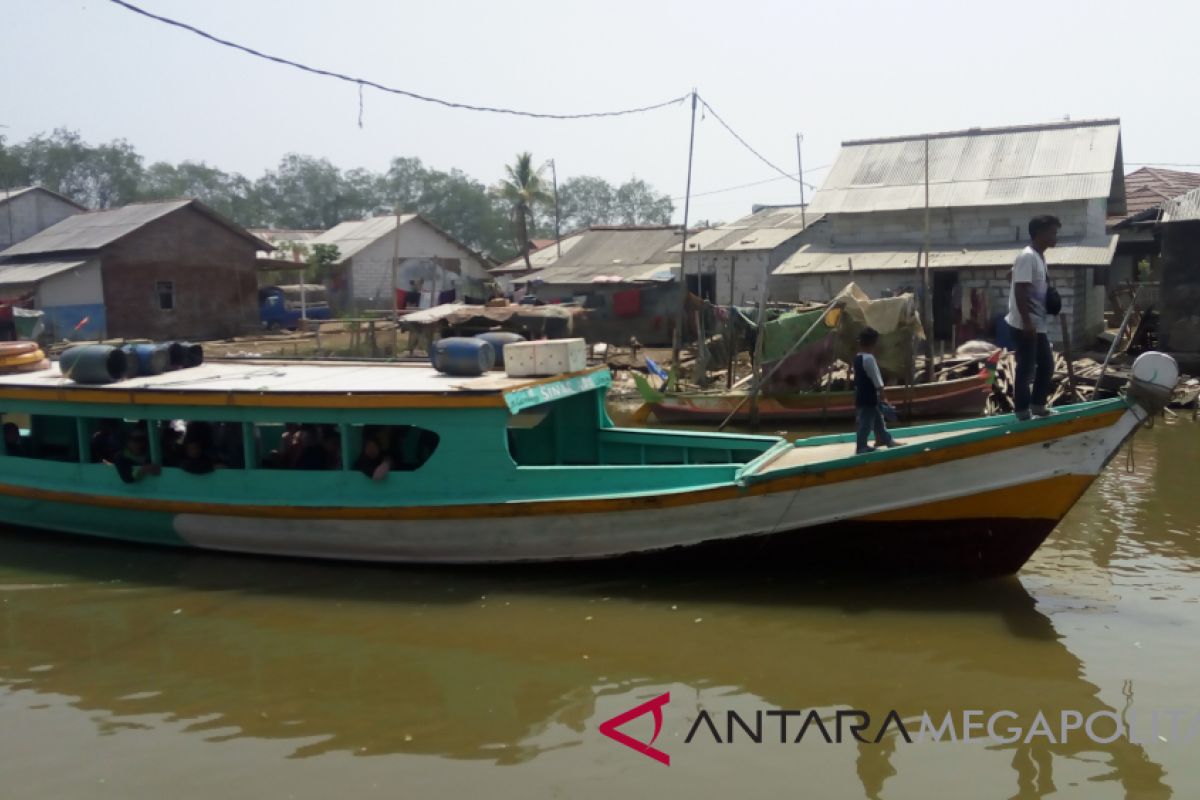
x=523, y=189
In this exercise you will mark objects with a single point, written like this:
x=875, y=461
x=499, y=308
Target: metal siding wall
x=77, y=287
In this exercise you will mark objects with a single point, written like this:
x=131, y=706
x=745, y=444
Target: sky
x=832, y=71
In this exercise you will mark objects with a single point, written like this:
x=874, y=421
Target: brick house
x=162, y=270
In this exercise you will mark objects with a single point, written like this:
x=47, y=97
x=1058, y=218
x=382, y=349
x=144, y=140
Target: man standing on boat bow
x=1026, y=319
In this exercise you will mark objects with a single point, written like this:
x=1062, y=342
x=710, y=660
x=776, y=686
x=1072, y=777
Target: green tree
x=586, y=200
x=226, y=193
x=303, y=192
x=638, y=204
x=523, y=190
x=99, y=177
x=320, y=262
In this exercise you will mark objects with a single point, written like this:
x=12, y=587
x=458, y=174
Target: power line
x=1160, y=164
x=753, y=183
x=743, y=142
x=360, y=82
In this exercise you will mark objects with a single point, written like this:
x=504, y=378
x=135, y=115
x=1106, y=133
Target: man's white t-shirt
x=1029, y=268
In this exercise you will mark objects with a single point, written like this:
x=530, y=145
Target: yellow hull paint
x=1047, y=499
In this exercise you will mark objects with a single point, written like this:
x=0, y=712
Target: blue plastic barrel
x=153, y=359
x=193, y=354
x=498, y=339
x=93, y=363
x=176, y=355
x=131, y=361
x=460, y=355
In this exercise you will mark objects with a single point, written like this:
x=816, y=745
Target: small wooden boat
x=499, y=470
x=940, y=399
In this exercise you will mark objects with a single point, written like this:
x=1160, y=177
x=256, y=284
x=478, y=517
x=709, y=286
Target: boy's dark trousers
x=870, y=419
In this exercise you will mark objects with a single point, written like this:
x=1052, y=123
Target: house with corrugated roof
x=983, y=187
x=1179, y=308
x=27, y=210
x=430, y=265
x=612, y=255
x=730, y=264
x=165, y=270
x=626, y=276
x=1147, y=190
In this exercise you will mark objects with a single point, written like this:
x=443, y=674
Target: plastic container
x=498, y=339
x=93, y=363
x=153, y=359
x=193, y=354
x=131, y=360
x=460, y=355
x=176, y=355
x=541, y=358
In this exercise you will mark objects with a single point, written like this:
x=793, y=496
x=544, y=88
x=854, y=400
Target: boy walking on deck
x=868, y=394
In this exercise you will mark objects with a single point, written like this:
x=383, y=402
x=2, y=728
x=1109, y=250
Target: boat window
x=43, y=436
x=562, y=432
x=200, y=447
x=302, y=446
x=380, y=449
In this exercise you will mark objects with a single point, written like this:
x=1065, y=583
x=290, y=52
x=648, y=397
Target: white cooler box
x=551, y=357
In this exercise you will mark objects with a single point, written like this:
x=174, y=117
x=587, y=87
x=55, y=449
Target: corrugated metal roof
x=820, y=259
x=17, y=191
x=614, y=254
x=539, y=259
x=34, y=272
x=1185, y=208
x=765, y=229
x=352, y=237
x=94, y=229
x=978, y=167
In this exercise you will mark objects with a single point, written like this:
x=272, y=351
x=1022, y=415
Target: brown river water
x=141, y=673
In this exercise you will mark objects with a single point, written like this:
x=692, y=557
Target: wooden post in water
x=756, y=381
x=1064, y=321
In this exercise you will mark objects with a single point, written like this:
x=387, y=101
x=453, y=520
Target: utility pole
x=395, y=295
x=800, y=165
x=557, y=235
x=677, y=340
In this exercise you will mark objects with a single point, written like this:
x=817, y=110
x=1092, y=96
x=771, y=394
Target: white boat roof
x=290, y=377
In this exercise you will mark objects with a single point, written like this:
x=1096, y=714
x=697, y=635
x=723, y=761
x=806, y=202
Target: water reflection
x=506, y=666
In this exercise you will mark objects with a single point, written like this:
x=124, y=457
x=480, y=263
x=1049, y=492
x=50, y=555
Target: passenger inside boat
x=170, y=444
x=227, y=445
x=198, y=449
x=14, y=443
x=310, y=452
x=331, y=444
x=106, y=441
x=133, y=462
x=372, y=461
x=284, y=456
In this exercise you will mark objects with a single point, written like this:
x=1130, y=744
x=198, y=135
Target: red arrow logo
x=654, y=706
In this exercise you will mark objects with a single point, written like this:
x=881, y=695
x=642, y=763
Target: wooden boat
x=954, y=398
x=507, y=469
